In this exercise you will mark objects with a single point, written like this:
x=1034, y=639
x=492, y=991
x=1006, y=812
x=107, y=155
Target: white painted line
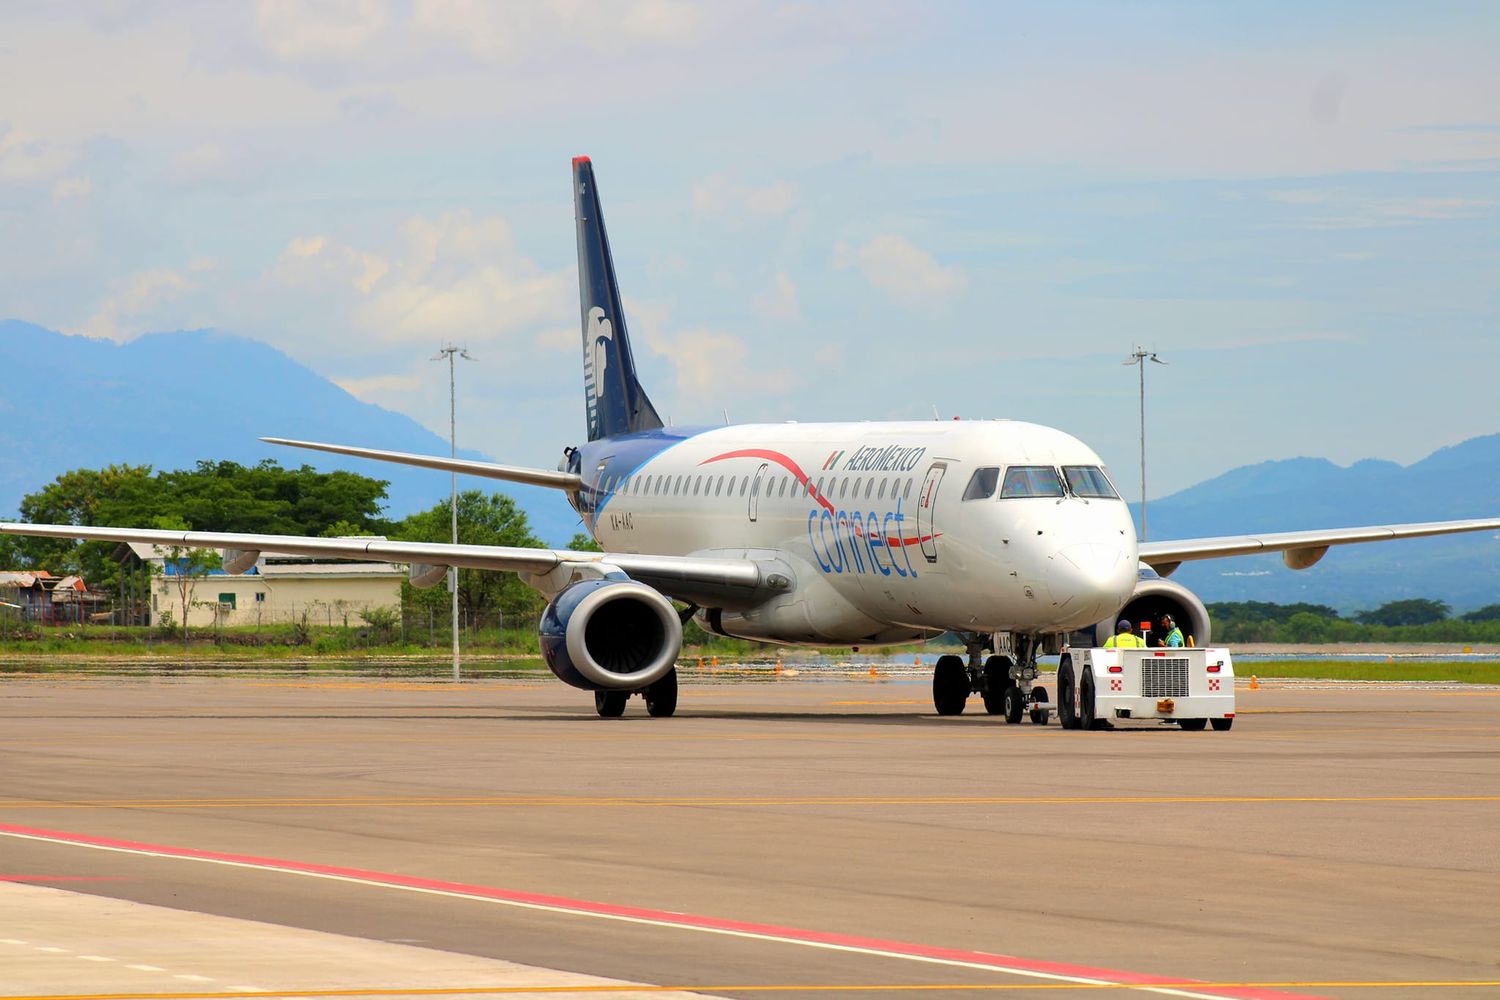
x=94, y=958
x=50, y=951
x=146, y=968
x=192, y=978
x=13, y=941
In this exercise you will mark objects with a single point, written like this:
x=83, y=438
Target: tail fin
x=616, y=402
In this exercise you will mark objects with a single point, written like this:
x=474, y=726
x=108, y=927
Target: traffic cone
x=1254, y=683
x=716, y=663
x=700, y=664
x=873, y=674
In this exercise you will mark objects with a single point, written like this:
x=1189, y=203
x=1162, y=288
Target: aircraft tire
x=1221, y=725
x=661, y=697
x=1086, y=718
x=1065, y=716
x=950, y=685
x=1015, y=705
x=610, y=704
x=997, y=679
x=1039, y=706
x=1193, y=725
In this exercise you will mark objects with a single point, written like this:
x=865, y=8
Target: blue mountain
x=1461, y=481
x=170, y=399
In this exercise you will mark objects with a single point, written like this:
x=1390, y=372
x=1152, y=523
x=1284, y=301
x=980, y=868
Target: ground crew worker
x=1124, y=637
x=1172, y=634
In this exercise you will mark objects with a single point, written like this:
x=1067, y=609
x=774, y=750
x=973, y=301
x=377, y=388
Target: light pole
x=1139, y=357
x=449, y=351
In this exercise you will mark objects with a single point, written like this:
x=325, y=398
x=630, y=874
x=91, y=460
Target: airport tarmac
x=803, y=837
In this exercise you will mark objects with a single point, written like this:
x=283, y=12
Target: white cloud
x=901, y=270
x=72, y=187
x=779, y=302
x=719, y=196
x=131, y=307
x=454, y=277
x=316, y=30
x=24, y=157
x=707, y=359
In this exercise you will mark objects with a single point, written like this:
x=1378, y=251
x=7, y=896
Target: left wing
x=723, y=582
x=1299, y=549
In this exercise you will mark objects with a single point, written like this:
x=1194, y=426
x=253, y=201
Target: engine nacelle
x=1154, y=597
x=610, y=635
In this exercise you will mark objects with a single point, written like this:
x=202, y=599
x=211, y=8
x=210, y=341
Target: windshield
x=1089, y=482
x=982, y=483
x=1031, y=481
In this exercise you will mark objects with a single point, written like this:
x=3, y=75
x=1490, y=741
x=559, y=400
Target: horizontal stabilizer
x=510, y=473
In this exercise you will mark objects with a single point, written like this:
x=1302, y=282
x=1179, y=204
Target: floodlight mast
x=1139, y=357
x=449, y=351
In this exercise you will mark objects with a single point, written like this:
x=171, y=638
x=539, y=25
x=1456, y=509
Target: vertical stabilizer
x=616, y=403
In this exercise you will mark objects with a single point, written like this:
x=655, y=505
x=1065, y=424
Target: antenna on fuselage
x=726, y=416
x=935, y=412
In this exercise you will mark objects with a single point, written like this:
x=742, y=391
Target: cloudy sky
x=856, y=210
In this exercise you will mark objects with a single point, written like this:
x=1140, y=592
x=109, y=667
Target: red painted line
x=742, y=928
x=61, y=878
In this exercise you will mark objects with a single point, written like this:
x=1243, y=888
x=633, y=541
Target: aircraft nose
x=1091, y=579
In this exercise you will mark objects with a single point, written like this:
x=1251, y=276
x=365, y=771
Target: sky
x=819, y=211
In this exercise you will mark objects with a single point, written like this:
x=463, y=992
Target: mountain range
x=170, y=399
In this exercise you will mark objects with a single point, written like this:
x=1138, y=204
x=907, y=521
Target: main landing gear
x=1004, y=683
x=661, y=699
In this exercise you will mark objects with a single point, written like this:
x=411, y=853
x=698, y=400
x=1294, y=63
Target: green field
x=1461, y=671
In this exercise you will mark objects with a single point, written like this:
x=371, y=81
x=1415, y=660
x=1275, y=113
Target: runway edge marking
x=959, y=958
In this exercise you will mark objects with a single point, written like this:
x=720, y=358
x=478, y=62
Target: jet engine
x=1154, y=597
x=610, y=635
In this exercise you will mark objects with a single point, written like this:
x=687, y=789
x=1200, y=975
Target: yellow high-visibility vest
x=1125, y=640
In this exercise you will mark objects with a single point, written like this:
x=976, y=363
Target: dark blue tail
x=616, y=402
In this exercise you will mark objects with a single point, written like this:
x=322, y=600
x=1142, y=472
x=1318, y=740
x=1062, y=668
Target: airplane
x=1009, y=534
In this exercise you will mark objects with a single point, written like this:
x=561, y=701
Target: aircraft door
x=926, y=503
x=760, y=474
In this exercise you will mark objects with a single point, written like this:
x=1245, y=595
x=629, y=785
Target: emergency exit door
x=760, y=474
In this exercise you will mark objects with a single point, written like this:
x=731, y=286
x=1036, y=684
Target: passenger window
x=907, y=494
x=881, y=495
x=820, y=485
x=744, y=485
x=782, y=491
x=1031, y=481
x=843, y=488
x=869, y=488
x=697, y=485
x=982, y=483
x=1089, y=482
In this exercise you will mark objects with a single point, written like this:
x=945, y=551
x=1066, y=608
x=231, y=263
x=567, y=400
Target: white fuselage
x=871, y=522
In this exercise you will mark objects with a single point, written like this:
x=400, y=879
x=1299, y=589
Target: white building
x=275, y=589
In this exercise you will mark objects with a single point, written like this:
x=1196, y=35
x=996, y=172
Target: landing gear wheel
x=610, y=704
x=1192, y=725
x=661, y=697
x=1086, y=718
x=1221, y=725
x=1039, y=711
x=950, y=685
x=1015, y=705
x=997, y=679
x=1065, y=715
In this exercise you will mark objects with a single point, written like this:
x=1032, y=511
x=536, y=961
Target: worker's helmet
x=1123, y=625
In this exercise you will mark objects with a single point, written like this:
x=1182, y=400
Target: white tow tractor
x=1191, y=687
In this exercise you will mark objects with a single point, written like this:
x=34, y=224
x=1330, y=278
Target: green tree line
x=1410, y=620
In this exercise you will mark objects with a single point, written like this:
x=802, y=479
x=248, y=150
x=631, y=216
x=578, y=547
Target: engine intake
x=1154, y=597
x=610, y=635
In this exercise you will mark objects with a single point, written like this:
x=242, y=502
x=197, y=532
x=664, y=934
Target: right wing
x=568, y=481
x=710, y=581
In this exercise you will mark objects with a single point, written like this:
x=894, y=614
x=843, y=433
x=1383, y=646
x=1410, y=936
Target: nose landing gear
x=1003, y=681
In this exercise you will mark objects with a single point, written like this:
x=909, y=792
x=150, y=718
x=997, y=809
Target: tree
x=584, y=543
x=212, y=496
x=1488, y=613
x=185, y=565
x=1414, y=611
x=493, y=519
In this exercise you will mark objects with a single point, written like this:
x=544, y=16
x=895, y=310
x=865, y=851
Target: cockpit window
x=982, y=484
x=1089, y=482
x=1031, y=481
